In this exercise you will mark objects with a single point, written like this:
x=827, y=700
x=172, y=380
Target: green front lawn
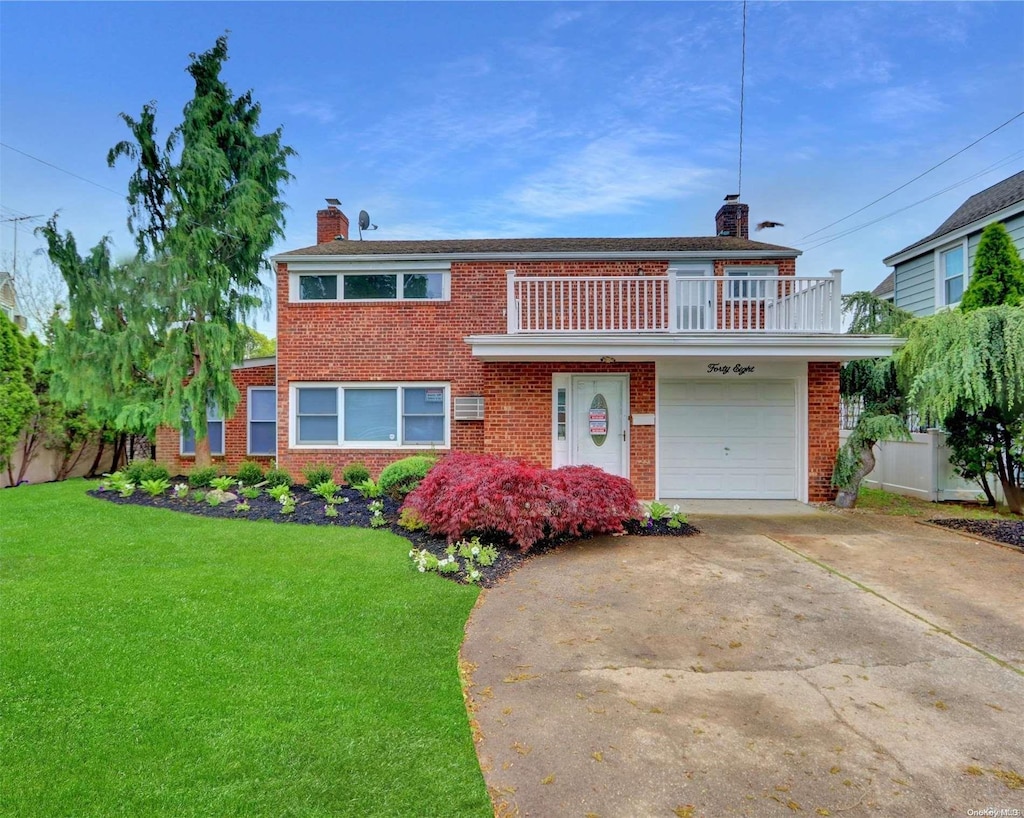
x=161, y=664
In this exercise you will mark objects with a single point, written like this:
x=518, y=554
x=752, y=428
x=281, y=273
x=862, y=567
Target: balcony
x=673, y=304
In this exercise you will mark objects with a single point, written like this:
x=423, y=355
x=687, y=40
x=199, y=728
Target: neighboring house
x=929, y=275
x=695, y=367
x=9, y=301
x=933, y=272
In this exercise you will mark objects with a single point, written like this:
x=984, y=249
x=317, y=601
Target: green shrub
x=327, y=489
x=410, y=520
x=141, y=470
x=250, y=473
x=355, y=473
x=250, y=492
x=368, y=488
x=223, y=483
x=317, y=473
x=402, y=476
x=278, y=477
x=202, y=478
x=155, y=487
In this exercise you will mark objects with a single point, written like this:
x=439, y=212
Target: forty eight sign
x=735, y=369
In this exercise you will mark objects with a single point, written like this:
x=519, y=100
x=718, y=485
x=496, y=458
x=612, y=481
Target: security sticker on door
x=598, y=421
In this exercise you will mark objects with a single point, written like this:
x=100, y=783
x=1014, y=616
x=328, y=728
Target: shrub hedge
x=402, y=476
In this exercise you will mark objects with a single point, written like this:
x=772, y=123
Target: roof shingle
x=452, y=247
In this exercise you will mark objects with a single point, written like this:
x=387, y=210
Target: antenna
x=364, y=223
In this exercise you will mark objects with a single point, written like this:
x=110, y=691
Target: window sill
x=369, y=445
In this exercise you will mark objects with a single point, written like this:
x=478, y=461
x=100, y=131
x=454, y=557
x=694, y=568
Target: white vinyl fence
x=921, y=468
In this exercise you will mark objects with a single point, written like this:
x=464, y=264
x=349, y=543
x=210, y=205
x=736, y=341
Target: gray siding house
x=933, y=272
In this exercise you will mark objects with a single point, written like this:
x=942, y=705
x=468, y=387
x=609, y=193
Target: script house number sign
x=598, y=419
x=727, y=369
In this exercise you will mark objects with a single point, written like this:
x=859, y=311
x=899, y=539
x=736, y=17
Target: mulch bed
x=1009, y=532
x=309, y=510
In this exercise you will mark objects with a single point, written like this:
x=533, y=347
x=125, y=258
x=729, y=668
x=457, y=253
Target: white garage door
x=734, y=439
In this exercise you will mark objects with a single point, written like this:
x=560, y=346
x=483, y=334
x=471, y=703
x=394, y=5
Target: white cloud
x=902, y=104
x=611, y=174
x=320, y=111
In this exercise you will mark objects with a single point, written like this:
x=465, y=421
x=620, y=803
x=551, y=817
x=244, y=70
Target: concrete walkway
x=810, y=663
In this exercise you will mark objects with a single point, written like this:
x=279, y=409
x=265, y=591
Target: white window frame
x=249, y=421
x=940, y=271
x=370, y=269
x=398, y=386
x=213, y=415
x=734, y=276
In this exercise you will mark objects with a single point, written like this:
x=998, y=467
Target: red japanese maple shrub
x=482, y=494
x=595, y=502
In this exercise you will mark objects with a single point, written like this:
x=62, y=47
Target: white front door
x=600, y=430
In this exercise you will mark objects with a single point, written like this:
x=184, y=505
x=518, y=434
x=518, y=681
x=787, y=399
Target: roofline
x=533, y=256
x=915, y=250
x=251, y=363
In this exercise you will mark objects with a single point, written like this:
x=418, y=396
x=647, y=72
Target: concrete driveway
x=811, y=663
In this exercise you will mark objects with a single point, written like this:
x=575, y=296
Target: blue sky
x=539, y=119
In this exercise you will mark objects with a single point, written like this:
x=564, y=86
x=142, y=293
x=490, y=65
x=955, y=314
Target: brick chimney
x=733, y=218
x=331, y=223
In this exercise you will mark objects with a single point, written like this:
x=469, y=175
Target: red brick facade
x=236, y=431
x=424, y=341
x=822, y=429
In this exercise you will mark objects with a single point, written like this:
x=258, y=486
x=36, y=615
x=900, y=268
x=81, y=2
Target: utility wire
x=62, y=170
x=743, y=87
x=933, y=167
x=829, y=239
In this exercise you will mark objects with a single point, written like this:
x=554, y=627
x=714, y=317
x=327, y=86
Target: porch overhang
x=614, y=347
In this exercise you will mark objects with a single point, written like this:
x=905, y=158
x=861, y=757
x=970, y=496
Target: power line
x=62, y=170
x=896, y=190
x=829, y=239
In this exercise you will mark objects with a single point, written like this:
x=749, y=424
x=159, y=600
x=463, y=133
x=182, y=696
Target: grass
x=896, y=505
x=162, y=664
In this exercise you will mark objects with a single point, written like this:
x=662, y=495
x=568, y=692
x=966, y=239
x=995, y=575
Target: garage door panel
x=727, y=439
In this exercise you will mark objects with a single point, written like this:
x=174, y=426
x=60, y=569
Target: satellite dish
x=364, y=223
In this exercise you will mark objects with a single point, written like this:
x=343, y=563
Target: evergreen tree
x=204, y=207
x=971, y=364
x=17, y=402
x=998, y=273
x=872, y=384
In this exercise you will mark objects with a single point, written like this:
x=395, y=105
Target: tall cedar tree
x=205, y=208
x=998, y=273
x=872, y=384
x=17, y=401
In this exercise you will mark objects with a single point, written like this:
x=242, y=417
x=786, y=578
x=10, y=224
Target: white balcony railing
x=667, y=303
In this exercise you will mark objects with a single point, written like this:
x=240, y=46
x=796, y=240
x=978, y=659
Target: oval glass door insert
x=598, y=419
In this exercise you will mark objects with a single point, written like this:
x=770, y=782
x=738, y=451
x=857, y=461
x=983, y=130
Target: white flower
x=474, y=551
x=423, y=568
x=675, y=508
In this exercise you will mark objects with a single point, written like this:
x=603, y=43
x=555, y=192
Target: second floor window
x=951, y=267
x=421, y=286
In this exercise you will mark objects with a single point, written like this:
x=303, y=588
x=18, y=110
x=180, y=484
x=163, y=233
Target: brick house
x=696, y=367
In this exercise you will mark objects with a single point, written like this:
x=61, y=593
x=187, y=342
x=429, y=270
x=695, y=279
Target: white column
x=837, y=300
x=511, y=307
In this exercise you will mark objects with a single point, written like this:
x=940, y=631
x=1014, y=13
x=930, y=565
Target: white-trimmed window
x=214, y=431
x=370, y=415
x=262, y=420
x=737, y=288
x=952, y=273
x=427, y=284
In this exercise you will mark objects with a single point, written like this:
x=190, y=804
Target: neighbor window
x=371, y=415
x=214, y=431
x=951, y=266
x=414, y=286
x=262, y=420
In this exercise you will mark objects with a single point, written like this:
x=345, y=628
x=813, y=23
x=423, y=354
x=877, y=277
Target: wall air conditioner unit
x=469, y=408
